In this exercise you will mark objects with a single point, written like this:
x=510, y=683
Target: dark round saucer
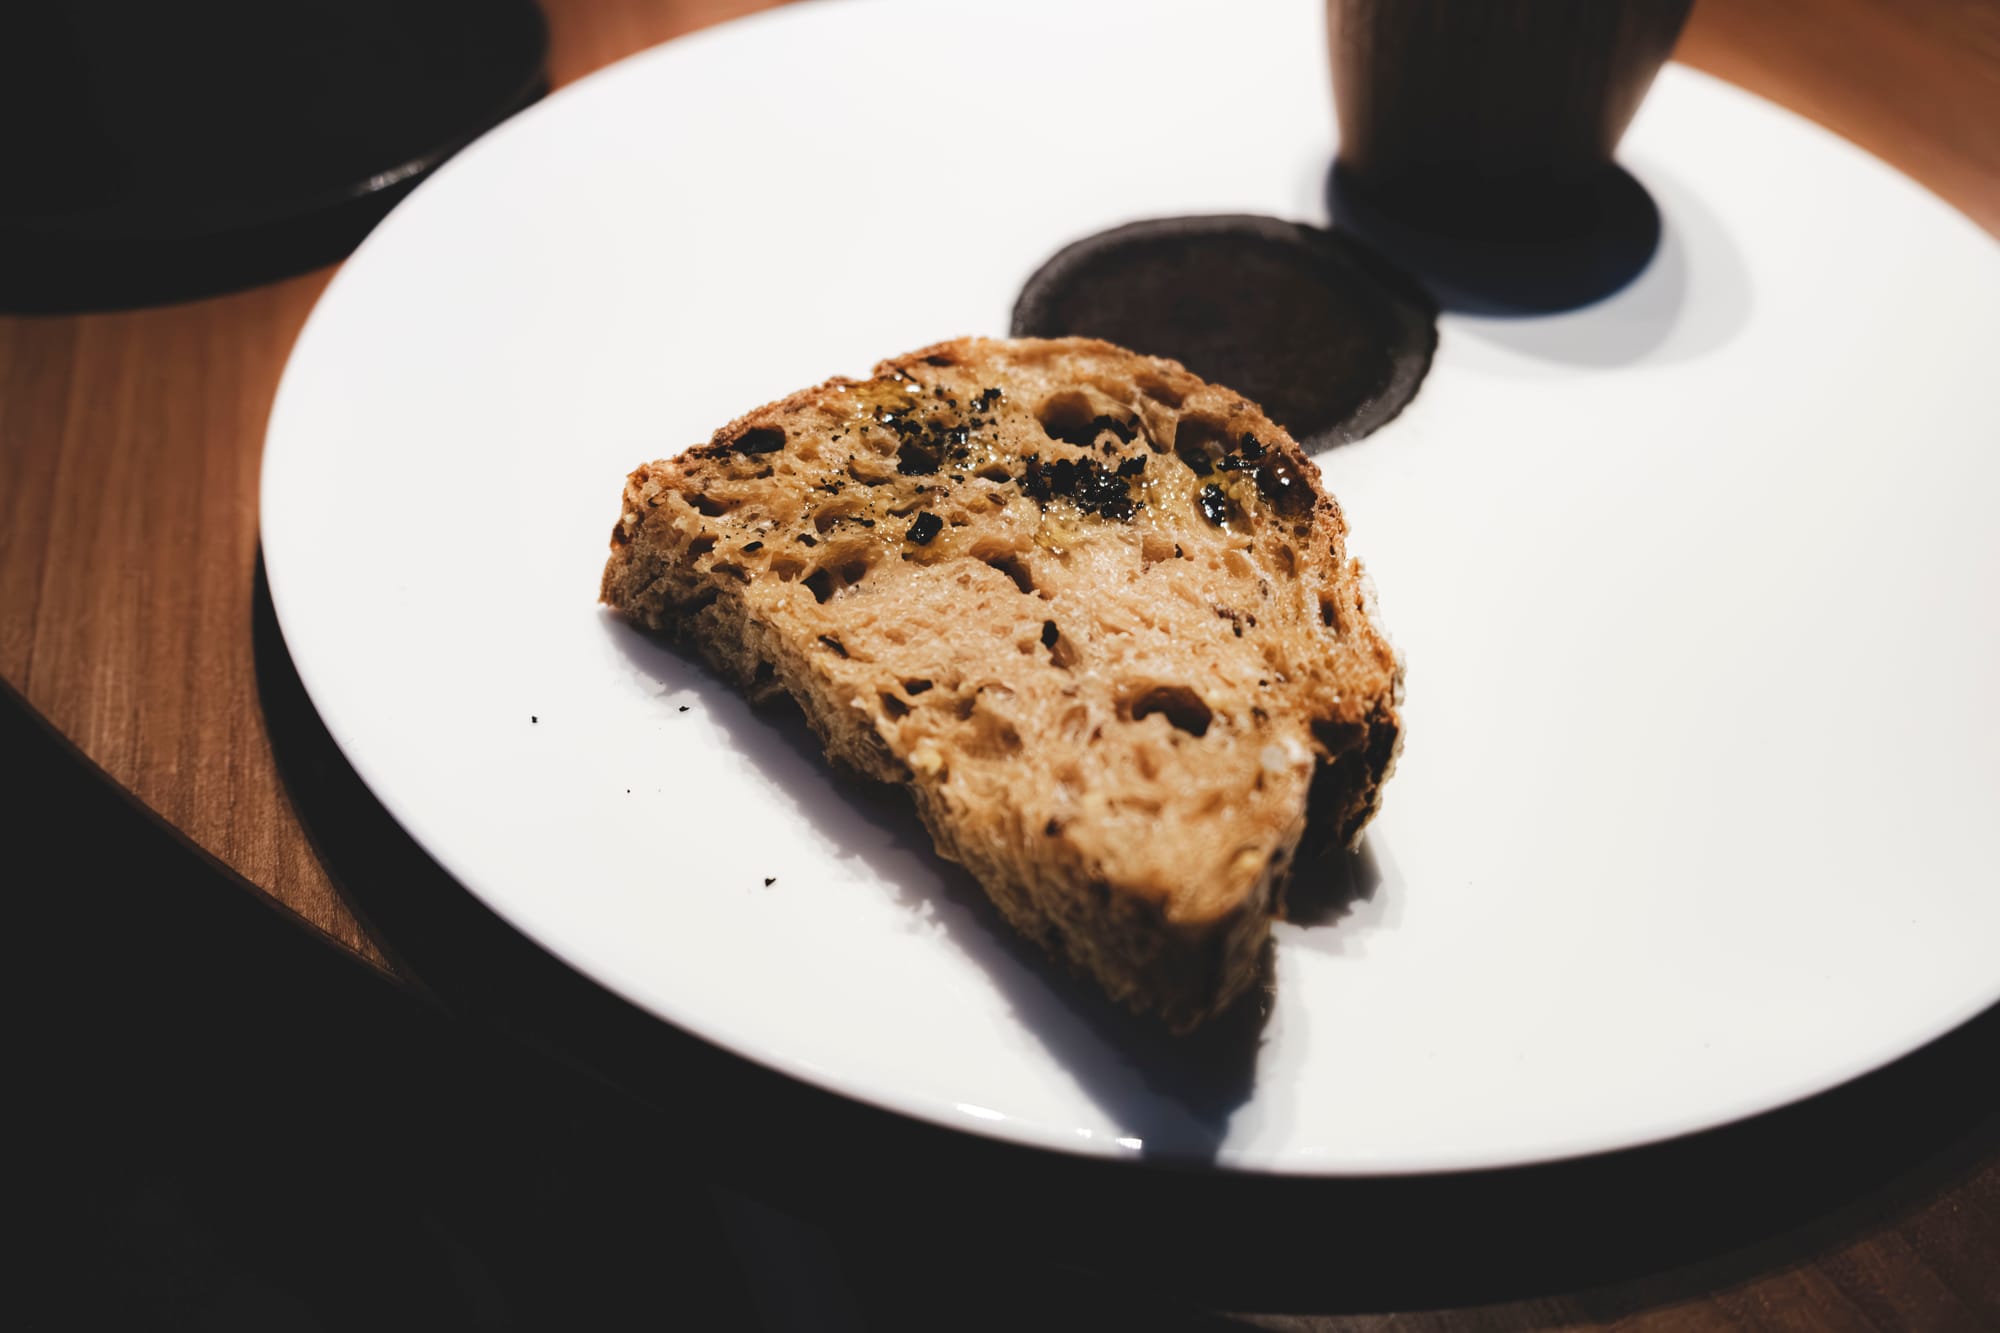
x=1326, y=336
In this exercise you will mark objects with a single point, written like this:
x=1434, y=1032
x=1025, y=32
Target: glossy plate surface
x=1697, y=589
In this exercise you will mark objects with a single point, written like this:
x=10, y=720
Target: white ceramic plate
x=1699, y=589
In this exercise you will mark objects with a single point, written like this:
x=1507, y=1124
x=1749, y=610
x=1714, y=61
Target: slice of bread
x=1095, y=614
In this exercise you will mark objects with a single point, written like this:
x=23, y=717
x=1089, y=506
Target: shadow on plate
x=1612, y=273
x=1514, y=255
x=1170, y=1097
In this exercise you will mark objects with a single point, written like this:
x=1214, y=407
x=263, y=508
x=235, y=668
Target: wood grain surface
x=129, y=451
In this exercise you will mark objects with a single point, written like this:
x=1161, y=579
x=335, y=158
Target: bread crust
x=1095, y=614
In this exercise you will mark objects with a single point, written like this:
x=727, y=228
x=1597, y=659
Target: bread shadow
x=1171, y=1098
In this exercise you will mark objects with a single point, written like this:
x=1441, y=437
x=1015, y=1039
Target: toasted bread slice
x=1095, y=614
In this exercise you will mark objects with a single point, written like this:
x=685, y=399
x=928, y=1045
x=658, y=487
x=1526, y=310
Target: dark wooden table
x=129, y=453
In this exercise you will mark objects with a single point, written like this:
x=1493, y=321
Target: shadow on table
x=917, y=1212
x=224, y=1121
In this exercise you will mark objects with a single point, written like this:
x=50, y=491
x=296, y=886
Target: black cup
x=1490, y=113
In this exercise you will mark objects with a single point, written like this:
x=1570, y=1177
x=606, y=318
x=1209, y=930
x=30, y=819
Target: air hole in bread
x=1329, y=614
x=700, y=547
x=759, y=440
x=1079, y=416
x=837, y=512
x=995, y=471
x=1061, y=651
x=1014, y=568
x=709, y=505
x=821, y=583
x=1066, y=416
x=1157, y=389
x=787, y=567
x=893, y=706
x=1181, y=707
x=992, y=737
x=915, y=687
x=1200, y=441
x=1153, y=548
x=853, y=572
